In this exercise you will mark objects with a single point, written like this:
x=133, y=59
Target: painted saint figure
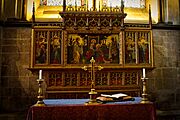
x=143, y=50
x=42, y=54
x=130, y=51
x=41, y=50
x=77, y=51
x=114, y=52
x=55, y=50
x=91, y=52
x=99, y=56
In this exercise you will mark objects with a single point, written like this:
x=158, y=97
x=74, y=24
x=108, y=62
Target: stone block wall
x=164, y=82
x=18, y=86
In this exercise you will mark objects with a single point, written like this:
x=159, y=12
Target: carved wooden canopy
x=94, y=19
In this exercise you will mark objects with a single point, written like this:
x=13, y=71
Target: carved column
x=160, y=20
x=2, y=10
x=94, y=5
x=64, y=5
x=13, y=9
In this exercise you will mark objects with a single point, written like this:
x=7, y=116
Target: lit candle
x=144, y=73
x=40, y=74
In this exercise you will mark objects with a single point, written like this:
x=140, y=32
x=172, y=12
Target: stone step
x=168, y=115
x=12, y=116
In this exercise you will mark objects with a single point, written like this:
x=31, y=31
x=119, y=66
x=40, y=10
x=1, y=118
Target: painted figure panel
x=104, y=48
x=137, y=47
x=130, y=48
x=41, y=48
x=144, y=48
x=55, y=47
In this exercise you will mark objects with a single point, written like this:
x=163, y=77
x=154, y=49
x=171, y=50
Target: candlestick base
x=93, y=95
x=144, y=98
x=145, y=101
x=40, y=103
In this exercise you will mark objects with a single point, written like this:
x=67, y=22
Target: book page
x=118, y=95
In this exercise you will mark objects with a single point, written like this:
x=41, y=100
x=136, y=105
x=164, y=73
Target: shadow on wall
x=14, y=87
x=165, y=99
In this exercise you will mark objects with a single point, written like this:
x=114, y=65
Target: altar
x=74, y=109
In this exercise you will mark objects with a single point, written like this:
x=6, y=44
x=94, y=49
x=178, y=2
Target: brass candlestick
x=144, y=94
x=92, y=93
x=92, y=100
x=40, y=96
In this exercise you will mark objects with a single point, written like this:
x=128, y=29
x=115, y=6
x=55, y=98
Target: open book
x=114, y=97
x=119, y=95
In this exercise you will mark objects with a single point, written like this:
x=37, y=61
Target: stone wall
x=18, y=86
x=164, y=84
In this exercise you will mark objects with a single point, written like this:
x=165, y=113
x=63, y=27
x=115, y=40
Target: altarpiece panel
x=82, y=47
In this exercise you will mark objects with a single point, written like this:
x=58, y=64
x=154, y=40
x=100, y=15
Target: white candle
x=40, y=74
x=144, y=73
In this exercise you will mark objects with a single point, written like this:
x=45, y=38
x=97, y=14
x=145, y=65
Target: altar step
x=13, y=116
x=161, y=115
x=168, y=115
